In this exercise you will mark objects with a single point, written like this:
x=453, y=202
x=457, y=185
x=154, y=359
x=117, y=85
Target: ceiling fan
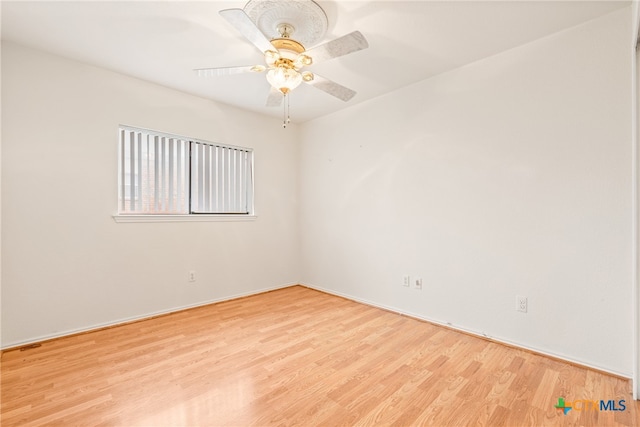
x=280, y=29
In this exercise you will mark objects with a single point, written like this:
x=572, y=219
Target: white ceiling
x=163, y=41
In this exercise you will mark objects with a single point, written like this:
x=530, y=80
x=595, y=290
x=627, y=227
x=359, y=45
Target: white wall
x=67, y=265
x=510, y=176
x=635, y=36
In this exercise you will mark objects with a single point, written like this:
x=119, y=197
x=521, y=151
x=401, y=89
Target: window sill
x=183, y=218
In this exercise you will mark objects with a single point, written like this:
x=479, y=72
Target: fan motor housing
x=288, y=44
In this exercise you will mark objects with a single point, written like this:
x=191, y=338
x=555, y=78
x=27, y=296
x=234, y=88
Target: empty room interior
x=287, y=212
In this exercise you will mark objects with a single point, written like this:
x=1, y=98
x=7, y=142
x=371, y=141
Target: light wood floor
x=295, y=357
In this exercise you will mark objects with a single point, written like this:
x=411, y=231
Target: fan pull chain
x=286, y=117
x=284, y=111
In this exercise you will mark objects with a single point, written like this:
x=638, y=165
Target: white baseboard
x=116, y=322
x=38, y=339
x=471, y=332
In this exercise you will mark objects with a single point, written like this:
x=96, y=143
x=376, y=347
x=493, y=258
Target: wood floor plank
x=295, y=356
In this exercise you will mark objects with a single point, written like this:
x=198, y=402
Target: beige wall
x=510, y=176
x=67, y=265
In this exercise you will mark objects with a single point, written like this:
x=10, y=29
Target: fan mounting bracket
x=305, y=18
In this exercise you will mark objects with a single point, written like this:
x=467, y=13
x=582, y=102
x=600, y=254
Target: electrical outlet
x=521, y=304
x=418, y=283
x=406, y=281
x=191, y=276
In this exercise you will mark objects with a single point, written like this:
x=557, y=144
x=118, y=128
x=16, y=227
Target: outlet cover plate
x=522, y=304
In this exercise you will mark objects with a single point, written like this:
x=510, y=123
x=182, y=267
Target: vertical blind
x=220, y=179
x=168, y=174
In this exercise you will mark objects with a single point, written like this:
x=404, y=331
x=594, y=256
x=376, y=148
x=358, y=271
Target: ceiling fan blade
x=331, y=87
x=341, y=46
x=241, y=21
x=227, y=71
x=274, y=99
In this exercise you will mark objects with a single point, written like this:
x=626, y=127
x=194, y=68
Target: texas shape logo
x=566, y=407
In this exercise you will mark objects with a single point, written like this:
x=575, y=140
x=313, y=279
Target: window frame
x=189, y=216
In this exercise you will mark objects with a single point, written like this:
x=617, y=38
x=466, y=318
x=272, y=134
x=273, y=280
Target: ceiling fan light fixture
x=302, y=61
x=271, y=57
x=284, y=79
x=270, y=26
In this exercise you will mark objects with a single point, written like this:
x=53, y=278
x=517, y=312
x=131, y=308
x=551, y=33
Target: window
x=160, y=173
